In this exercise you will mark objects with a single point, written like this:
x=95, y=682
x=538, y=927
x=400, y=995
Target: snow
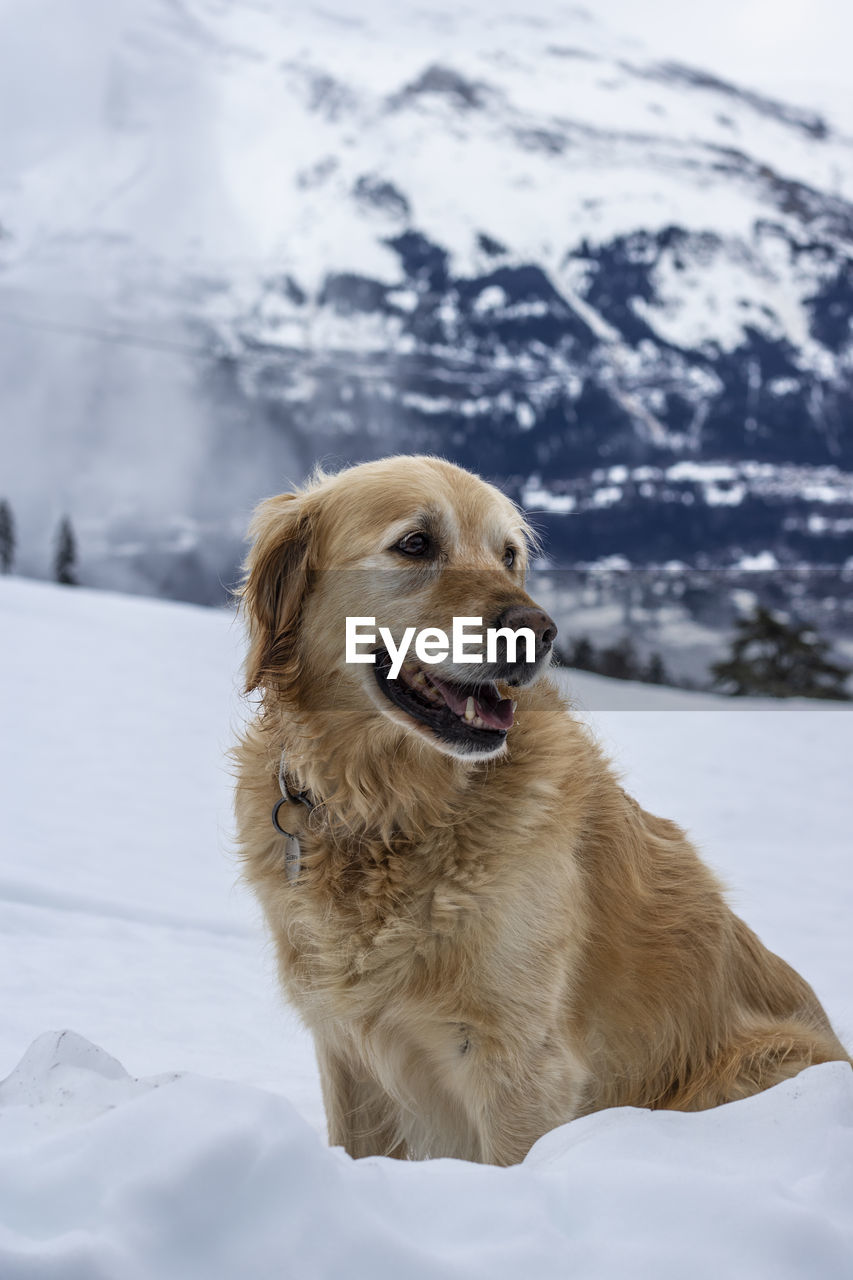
x=536, y=497
x=121, y=918
x=761, y=562
x=230, y=137
x=247, y=1188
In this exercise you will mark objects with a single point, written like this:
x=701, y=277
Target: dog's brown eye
x=509, y=557
x=414, y=544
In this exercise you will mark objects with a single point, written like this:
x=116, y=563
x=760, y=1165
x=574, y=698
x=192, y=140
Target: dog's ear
x=277, y=577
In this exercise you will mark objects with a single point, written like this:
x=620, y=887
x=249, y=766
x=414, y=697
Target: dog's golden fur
x=482, y=949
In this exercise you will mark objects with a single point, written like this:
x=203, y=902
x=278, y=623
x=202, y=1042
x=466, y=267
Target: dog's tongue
x=492, y=709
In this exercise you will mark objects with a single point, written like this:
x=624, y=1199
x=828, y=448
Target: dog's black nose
x=536, y=620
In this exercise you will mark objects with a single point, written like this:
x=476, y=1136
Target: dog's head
x=405, y=546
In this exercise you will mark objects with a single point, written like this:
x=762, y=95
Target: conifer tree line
x=64, y=551
x=770, y=657
x=619, y=661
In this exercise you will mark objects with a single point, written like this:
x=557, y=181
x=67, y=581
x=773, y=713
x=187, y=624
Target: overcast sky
x=799, y=49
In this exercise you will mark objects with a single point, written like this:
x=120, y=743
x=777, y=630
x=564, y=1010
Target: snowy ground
x=121, y=918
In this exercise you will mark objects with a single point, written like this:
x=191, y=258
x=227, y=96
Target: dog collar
x=288, y=797
x=292, y=850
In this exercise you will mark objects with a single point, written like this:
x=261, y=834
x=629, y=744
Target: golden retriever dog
x=486, y=936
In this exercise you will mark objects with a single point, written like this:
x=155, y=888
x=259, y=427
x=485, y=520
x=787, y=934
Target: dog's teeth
x=469, y=710
x=478, y=722
x=514, y=705
x=418, y=679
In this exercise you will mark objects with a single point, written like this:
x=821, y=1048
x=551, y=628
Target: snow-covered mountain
x=241, y=235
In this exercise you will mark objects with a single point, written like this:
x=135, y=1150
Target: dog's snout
x=535, y=620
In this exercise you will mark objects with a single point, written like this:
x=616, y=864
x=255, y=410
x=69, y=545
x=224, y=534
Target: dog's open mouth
x=476, y=715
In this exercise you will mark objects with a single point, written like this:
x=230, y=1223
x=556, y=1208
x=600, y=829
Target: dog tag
x=292, y=859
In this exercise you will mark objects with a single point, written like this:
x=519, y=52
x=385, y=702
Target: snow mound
x=103, y=1176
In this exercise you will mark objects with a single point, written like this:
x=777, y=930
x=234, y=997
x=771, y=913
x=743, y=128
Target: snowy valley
x=123, y=921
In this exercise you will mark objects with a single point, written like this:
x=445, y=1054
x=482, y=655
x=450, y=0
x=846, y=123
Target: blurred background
x=602, y=256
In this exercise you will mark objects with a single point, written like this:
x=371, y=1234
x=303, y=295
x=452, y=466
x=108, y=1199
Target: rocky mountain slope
x=622, y=287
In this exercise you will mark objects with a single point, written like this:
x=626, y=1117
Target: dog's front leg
x=360, y=1115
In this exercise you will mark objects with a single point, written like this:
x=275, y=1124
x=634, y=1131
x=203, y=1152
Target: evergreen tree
x=65, y=559
x=777, y=659
x=654, y=672
x=581, y=655
x=619, y=662
x=7, y=537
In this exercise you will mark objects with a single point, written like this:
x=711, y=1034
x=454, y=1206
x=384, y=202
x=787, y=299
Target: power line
x=458, y=362
x=99, y=334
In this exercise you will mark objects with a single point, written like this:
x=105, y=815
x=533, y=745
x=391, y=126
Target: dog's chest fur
x=453, y=914
x=436, y=922
x=437, y=973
